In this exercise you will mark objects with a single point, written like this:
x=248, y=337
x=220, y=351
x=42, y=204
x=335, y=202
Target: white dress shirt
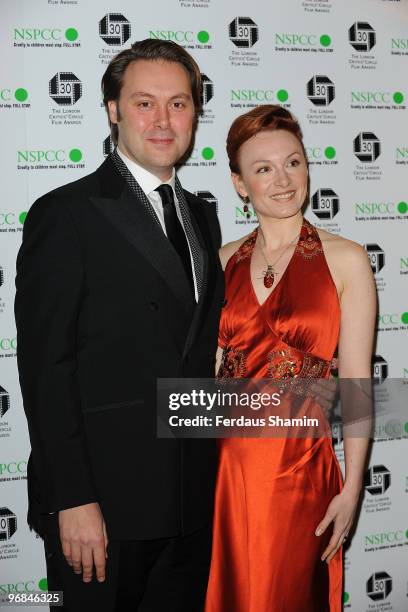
x=149, y=183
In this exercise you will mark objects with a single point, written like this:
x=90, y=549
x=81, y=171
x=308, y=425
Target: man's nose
x=162, y=118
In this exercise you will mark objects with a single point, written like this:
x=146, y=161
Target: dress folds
x=272, y=492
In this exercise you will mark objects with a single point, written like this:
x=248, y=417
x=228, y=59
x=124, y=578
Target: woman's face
x=273, y=173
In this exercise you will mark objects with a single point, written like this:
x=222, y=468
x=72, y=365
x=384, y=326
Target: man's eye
x=178, y=105
x=144, y=104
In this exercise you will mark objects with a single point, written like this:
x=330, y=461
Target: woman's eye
x=294, y=162
x=263, y=170
x=178, y=105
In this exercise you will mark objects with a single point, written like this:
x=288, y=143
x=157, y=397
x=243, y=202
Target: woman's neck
x=277, y=233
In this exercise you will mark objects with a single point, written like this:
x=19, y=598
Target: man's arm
x=50, y=290
x=50, y=286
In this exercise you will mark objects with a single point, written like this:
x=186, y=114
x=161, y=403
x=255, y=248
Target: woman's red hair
x=259, y=119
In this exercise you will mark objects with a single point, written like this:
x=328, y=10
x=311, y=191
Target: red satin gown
x=272, y=493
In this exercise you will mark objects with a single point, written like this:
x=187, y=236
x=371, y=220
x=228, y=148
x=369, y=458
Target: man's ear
x=113, y=111
x=239, y=185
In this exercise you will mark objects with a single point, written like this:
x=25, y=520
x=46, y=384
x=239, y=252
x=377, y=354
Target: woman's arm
x=225, y=253
x=358, y=312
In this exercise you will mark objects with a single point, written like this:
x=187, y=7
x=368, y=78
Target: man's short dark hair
x=154, y=50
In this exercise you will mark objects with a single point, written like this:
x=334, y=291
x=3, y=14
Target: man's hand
x=325, y=392
x=84, y=540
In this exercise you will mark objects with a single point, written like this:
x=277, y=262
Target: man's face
x=154, y=115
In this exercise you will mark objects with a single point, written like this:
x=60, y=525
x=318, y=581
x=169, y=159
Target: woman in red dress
x=293, y=296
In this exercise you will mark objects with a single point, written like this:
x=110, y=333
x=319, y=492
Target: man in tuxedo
x=119, y=284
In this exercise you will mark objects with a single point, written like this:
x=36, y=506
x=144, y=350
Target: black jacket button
x=154, y=306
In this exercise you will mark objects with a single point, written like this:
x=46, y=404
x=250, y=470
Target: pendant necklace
x=270, y=272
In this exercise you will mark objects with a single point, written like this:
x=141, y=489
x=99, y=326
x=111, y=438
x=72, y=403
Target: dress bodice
x=294, y=333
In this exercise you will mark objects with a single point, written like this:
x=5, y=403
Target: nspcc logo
x=320, y=90
x=65, y=88
x=243, y=32
x=301, y=39
x=377, y=98
x=8, y=95
x=10, y=219
x=367, y=147
x=201, y=157
x=4, y=402
x=39, y=157
x=207, y=195
x=12, y=468
x=8, y=524
x=379, y=586
x=245, y=214
x=377, y=479
x=386, y=537
x=325, y=203
x=8, y=344
x=185, y=38
x=315, y=154
x=114, y=29
x=208, y=88
x=387, y=210
x=24, y=586
x=362, y=37
x=399, y=46
x=379, y=368
x=45, y=34
x=376, y=257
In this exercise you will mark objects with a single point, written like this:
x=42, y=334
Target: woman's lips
x=283, y=196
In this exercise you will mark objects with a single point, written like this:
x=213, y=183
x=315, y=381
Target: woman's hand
x=341, y=512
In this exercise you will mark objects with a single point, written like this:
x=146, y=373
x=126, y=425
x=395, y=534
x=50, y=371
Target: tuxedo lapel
x=192, y=230
x=200, y=225
x=131, y=218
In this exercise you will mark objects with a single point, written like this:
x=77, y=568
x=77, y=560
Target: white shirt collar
x=147, y=181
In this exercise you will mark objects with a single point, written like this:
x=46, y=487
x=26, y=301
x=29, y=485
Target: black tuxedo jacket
x=103, y=308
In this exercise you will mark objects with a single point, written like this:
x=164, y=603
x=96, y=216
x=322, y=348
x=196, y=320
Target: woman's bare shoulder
x=345, y=255
x=227, y=251
x=337, y=243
